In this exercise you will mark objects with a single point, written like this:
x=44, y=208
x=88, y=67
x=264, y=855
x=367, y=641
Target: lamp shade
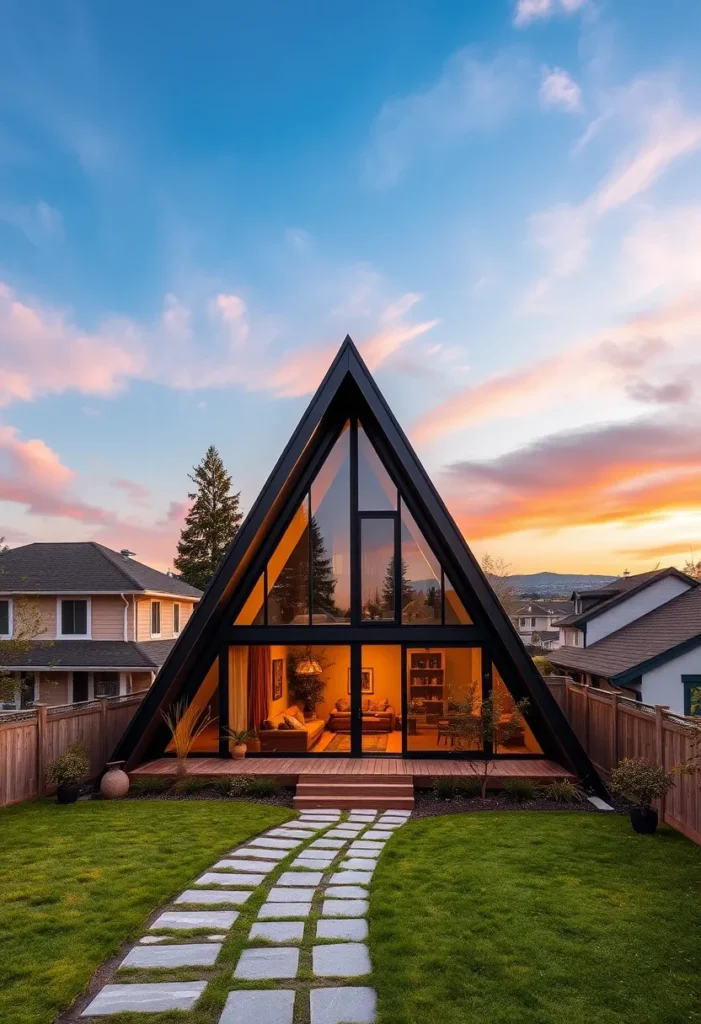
x=308, y=666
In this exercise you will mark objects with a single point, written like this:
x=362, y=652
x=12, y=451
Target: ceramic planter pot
x=239, y=751
x=644, y=820
x=115, y=782
x=67, y=792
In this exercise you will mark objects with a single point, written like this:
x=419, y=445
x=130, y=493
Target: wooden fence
x=611, y=727
x=30, y=739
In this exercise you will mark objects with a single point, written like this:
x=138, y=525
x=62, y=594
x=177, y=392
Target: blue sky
x=498, y=200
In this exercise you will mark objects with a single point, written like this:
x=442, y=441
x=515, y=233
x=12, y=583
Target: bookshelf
x=426, y=670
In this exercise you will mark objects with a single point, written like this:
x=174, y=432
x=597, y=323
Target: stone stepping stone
x=601, y=805
x=327, y=844
x=386, y=826
x=229, y=878
x=259, y=963
x=366, y=844
x=273, y=911
x=209, y=896
x=320, y=820
x=257, y=853
x=341, y=960
x=306, y=864
x=274, y=844
x=302, y=825
x=294, y=878
x=283, y=895
x=277, y=931
x=310, y=854
x=150, y=940
x=347, y=1005
x=179, y=919
x=290, y=833
x=363, y=812
x=354, y=850
x=352, y=928
x=344, y=908
x=351, y=878
x=323, y=812
x=358, y=864
x=255, y=866
x=378, y=834
x=167, y=995
x=273, y=1006
x=344, y=832
x=196, y=954
x=346, y=892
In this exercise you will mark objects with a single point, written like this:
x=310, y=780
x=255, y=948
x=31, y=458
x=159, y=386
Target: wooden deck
x=290, y=768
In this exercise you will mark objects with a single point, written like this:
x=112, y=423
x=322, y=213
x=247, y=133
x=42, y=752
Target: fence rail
x=30, y=739
x=611, y=727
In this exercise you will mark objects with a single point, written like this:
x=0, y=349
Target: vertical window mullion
x=398, y=595
x=265, y=595
x=310, y=564
x=355, y=555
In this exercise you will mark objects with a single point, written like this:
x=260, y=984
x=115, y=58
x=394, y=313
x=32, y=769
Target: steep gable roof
x=82, y=567
x=348, y=387
x=619, y=591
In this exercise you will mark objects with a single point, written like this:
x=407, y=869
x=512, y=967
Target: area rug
x=341, y=742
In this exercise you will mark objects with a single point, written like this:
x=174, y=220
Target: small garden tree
x=27, y=627
x=479, y=723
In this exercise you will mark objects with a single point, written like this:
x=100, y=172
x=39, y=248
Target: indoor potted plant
x=641, y=781
x=239, y=739
x=68, y=771
x=306, y=685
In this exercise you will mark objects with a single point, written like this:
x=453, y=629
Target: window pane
x=74, y=618
x=67, y=617
x=376, y=492
x=155, y=616
x=252, y=612
x=377, y=568
x=4, y=618
x=514, y=735
x=444, y=699
x=455, y=612
x=288, y=574
x=694, y=700
x=106, y=684
x=421, y=575
x=81, y=616
x=330, y=537
x=176, y=618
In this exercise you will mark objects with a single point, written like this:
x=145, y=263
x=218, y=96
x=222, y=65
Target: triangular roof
x=348, y=387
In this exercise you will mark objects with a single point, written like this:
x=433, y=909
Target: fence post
x=659, y=745
x=41, y=748
x=614, y=730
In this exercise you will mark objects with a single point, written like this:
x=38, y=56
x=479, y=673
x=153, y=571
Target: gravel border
x=428, y=805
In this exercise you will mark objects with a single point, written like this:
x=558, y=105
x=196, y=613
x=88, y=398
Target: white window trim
x=160, y=618
x=73, y=636
x=10, y=618
x=176, y=632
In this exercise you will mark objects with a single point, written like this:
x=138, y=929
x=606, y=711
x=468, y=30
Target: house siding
x=107, y=618
x=633, y=607
x=54, y=688
x=663, y=685
x=143, y=617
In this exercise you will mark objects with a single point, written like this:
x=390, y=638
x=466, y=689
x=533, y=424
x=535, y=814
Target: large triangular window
x=353, y=504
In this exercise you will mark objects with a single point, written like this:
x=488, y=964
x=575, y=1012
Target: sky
x=499, y=200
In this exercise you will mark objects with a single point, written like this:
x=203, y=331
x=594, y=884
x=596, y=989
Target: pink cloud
x=135, y=492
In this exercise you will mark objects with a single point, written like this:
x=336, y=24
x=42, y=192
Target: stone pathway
x=309, y=879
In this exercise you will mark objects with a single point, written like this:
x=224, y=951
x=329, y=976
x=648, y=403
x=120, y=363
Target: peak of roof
x=82, y=567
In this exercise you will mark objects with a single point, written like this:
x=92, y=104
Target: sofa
x=373, y=721
x=290, y=741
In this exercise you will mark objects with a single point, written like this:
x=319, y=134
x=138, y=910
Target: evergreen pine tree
x=211, y=524
x=290, y=593
x=388, y=586
x=323, y=578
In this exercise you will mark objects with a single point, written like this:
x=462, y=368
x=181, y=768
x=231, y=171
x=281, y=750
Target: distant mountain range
x=545, y=584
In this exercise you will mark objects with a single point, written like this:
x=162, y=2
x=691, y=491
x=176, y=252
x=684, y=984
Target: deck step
x=374, y=792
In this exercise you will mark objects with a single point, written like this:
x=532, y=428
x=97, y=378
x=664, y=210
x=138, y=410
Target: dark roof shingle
x=82, y=567
x=91, y=654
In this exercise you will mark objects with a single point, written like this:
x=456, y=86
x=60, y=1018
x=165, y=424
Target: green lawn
x=77, y=881
x=537, y=918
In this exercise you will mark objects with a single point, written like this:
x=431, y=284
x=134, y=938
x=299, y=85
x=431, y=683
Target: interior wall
x=386, y=662
x=335, y=676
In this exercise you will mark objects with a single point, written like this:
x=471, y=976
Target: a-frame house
x=350, y=577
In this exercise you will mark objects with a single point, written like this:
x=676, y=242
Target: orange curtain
x=258, y=685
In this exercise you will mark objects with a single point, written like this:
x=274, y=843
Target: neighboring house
x=107, y=622
x=537, y=622
x=642, y=636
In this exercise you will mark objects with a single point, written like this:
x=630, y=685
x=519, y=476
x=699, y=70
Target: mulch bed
x=428, y=805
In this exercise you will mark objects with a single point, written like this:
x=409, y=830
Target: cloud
x=664, y=133
x=663, y=250
x=135, y=492
x=559, y=91
x=470, y=96
x=609, y=360
x=638, y=471
x=38, y=222
x=527, y=11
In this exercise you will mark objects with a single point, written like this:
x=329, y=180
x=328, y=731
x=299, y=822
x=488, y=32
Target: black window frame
x=73, y=603
x=5, y=627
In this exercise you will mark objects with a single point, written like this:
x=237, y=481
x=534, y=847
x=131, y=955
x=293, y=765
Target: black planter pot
x=644, y=820
x=67, y=792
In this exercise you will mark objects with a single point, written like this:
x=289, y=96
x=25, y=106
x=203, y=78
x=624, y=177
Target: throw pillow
x=268, y=724
x=299, y=715
x=382, y=705
x=291, y=722
x=342, y=704
x=283, y=724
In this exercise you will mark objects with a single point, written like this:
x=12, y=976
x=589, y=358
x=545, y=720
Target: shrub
x=262, y=787
x=641, y=780
x=519, y=790
x=469, y=787
x=73, y=765
x=563, y=792
x=188, y=785
x=238, y=785
x=444, y=788
x=149, y=786
x=221, y=786
x=543, y=664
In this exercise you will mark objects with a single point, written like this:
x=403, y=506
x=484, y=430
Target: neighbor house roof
x=652, y=639
x=530, y=609
x=63, y=655
x=82, y=567
x=618, y=591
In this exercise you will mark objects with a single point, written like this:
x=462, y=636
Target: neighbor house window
x=155, y=618
x=176, y=619
x=6, y=618
x=74, y=618
x=106, y=684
